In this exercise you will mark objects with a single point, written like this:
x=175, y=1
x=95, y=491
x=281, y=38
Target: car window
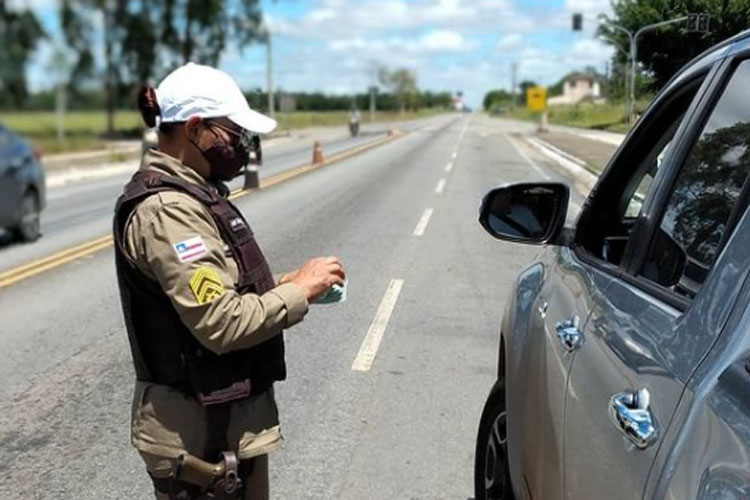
x=635, y=205
x=604, y=229
x=708, y=190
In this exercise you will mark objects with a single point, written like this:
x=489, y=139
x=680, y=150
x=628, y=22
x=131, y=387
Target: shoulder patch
x=190, y=249
x=206, y=285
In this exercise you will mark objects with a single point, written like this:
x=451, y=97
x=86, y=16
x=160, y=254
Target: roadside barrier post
x=317, y=153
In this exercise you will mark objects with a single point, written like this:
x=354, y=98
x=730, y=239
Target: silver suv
x=624, y=353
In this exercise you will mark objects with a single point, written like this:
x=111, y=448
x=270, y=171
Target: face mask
x=225, y=160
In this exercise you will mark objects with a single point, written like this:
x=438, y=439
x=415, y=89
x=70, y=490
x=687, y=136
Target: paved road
x=81, y=211
x=404, y=429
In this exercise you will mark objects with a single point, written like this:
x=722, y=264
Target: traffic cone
x=317, y=153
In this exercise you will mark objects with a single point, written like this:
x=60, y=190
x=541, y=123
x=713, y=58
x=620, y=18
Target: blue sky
x=469, y=45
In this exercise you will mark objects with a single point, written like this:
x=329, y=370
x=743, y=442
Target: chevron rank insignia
x=206, y=285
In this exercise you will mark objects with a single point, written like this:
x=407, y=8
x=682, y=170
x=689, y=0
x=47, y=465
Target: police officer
x=203, y=313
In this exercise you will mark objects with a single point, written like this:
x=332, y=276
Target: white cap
x=197, y=90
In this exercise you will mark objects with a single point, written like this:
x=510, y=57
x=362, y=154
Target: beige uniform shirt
x=166, y=422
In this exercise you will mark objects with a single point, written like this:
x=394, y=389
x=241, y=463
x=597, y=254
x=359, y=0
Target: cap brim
x=253, y=121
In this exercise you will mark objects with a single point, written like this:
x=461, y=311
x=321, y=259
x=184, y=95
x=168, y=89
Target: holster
x=220, y=481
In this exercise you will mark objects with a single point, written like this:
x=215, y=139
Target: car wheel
x=28, y=225
x=491, y=474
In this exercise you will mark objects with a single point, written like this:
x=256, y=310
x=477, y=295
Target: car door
x=564, y=303
x=660, y=314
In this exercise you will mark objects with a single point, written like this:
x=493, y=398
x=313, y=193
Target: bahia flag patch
x=190, y=249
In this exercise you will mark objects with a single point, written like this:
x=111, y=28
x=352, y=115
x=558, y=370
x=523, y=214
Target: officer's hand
x=288, y=277
x=317, y=275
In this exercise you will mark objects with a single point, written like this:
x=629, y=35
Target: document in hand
x=334, y=295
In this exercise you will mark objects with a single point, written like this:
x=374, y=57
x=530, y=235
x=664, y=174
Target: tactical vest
x=164, y=350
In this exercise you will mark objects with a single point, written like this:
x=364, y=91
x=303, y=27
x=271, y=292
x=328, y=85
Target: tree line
x=142, y=41
x=95, y=99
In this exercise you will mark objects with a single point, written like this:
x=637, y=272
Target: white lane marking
x=371, y=343
x=440, y=186
x=449, y=166
x=454, y=155
x=526, y=157
x=422, y=224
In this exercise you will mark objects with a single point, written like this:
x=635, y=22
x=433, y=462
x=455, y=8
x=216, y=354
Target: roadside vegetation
x=609, y=116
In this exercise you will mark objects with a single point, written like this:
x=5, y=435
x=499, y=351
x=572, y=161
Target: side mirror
x=525, y=213
x=667, y=261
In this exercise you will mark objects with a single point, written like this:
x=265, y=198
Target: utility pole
x=109, y=79
x=513, y=76
x=372, y=103
x=269, y=72
x=373, y=89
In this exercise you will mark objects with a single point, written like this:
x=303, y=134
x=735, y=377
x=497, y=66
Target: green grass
x=84, y=130
x=608, y=116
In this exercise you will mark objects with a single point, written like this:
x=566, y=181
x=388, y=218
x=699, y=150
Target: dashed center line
x=422, y=224
x=454, y=155
x=440, y=186
x=449, y=167
x=371, y=343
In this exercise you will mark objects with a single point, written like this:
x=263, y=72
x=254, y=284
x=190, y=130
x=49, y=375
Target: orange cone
x=317, y=153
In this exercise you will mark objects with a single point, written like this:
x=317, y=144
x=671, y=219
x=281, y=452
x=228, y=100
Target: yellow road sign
x=536, y=98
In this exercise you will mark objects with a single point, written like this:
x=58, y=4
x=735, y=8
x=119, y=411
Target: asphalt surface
x=405, y=429
x=77, y=212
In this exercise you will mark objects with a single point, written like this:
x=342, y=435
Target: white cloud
x=509, y=43
x=443, y=40
x=368, y=18
x=435, y=41
x=36, y=5
x=466, y=45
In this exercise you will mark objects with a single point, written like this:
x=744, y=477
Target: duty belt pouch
x=214, y=379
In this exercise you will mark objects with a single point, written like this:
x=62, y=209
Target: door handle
x=569, y=335
x=543, y=308
x=631, y=414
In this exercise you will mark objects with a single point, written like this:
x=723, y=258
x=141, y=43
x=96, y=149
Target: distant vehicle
x=22, y=186
x=354, y=119
x=624, y=354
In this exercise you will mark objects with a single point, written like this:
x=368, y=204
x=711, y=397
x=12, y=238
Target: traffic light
x=577, y=22
x=698, y=23
x=692, y=23
x=704, y=21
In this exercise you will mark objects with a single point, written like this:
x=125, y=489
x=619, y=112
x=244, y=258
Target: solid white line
x=440, y=186
x=369, y=348
x=449, y=167
x=526, y=157
x=422, y=224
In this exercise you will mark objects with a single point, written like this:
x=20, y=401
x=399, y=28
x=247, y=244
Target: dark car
x=22, y=189
x=624, y=356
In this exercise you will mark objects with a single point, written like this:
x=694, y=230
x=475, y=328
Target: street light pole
x=633, y=38
x=625, y=66
x=634, y=53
